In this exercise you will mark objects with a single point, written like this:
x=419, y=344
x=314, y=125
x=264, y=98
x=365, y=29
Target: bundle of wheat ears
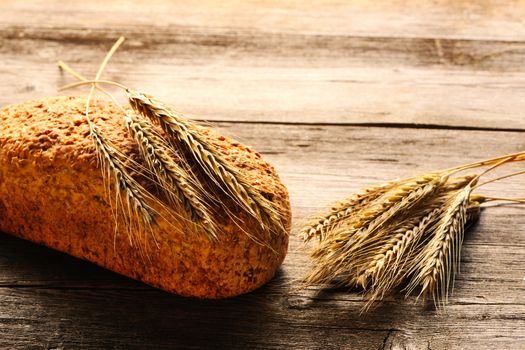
x=405, y=232
x=171, y=161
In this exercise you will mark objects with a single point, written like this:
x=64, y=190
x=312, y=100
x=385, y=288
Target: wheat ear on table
x=338, y=252
x=389, y=267
x=319, y=225
x=224, y=175
x=370, y=222
x=439, y=260
x=343, y=210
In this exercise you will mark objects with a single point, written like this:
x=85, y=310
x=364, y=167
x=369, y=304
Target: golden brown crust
x=52, y=192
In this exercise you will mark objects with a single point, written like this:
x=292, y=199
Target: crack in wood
x=390, y=332
x=366, y=124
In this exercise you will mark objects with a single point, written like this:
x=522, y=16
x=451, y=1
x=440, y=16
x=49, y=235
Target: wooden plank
x=260, y=321
x=48, y=298
x=291, y=71
x=488, y=20
x=239, y=86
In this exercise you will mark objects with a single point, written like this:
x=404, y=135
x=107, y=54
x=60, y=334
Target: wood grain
x=445, y=64
x=338, y=95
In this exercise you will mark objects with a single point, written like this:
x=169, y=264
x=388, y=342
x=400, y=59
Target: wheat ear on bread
x=52, y=192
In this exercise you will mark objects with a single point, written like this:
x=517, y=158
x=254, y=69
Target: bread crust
x=52, y=192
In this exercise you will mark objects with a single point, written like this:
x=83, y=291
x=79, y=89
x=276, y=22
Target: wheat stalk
x=174, y=181
x=128, y=191
x=409, y=234
x=342, y=247
x=395, y=260
x=319, y=225
x=205, y=155
x=398, y=241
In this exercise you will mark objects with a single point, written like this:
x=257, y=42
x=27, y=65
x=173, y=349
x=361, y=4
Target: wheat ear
x=319, y=225
x=392, y=265
x=174, y=181
x=396, y=202
x=439, y=260
x=405, y=233
x=206, y=156
x=389, y=266
x=343, y=210
x=126, y=187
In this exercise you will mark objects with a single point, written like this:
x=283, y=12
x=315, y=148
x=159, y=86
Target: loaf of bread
x=52, y=192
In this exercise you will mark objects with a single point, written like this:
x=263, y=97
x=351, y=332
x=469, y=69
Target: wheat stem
x=62, y=65
x=504, y=199
x=518, y=156
x=499, y=178
x=133, y=193
x=90, y=82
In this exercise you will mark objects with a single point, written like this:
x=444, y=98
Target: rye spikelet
x=202, y=153
x=129, y=193
x=174, y=181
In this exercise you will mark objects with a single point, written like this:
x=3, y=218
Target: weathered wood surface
x=418, y=75
x=406, y=62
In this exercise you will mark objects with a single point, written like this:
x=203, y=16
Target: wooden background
x=337, y=95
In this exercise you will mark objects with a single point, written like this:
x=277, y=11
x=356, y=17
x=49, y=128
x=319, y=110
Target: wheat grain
x=456, y=183
x=213, y=164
